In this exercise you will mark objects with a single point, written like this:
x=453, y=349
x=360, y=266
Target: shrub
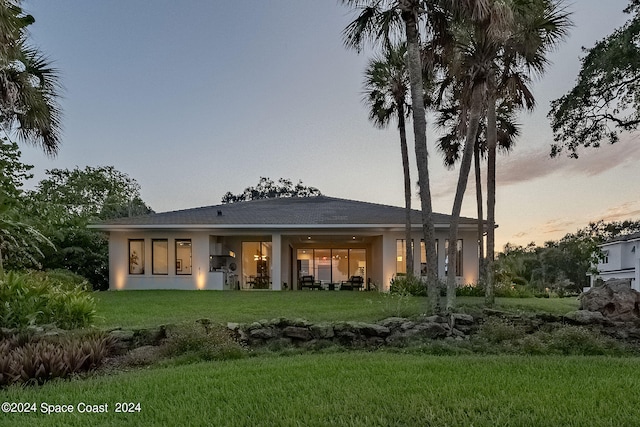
x=510, y=290
x=203, y=341
x=30, y=299
x=64, y=279
x=537, y=343
x=497, y=330
x=40, y=359
x=408, y=285
x=582, y=341
x=476, y=290
x=399, y=303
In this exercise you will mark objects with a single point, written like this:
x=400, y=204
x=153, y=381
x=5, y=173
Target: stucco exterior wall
x=200, y=278
x=380, y=248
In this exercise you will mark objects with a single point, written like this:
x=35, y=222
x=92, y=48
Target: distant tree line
x=563, y=265
x=269, y=189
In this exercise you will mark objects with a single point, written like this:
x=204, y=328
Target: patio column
x=416, y=256
x=276, y=262
x=636, y=283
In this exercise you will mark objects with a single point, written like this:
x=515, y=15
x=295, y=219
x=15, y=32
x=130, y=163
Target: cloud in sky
x=622, y=212
x=527, y=166
x=555, y=228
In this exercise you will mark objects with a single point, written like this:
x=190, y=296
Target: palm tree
x=29, y=85
x=541, y=25
x=475, y=45
x=384, y=21
x=451, y=143
x=386, y=89
x=494, y=41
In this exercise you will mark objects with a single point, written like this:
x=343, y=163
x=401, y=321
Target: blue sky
x=196, y=98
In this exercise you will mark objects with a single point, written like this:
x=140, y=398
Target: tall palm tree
x=384, y=21
x=540, y=26
x=475, y=35
x=386, y=89
x=29, y=85
x=494, y=41
x=450, y=146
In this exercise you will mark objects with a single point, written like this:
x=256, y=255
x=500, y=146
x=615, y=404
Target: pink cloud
x=526, y=166
x=625, y=211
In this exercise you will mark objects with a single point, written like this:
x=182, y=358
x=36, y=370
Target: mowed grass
x=152, y=308
x=355, y=389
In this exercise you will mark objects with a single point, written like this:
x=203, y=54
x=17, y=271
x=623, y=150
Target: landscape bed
x=331, y=385
x=356, y=389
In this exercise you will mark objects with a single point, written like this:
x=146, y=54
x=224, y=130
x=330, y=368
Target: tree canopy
x=605, y=100
x=268, y=189
x=560, y=265
x=29, y=85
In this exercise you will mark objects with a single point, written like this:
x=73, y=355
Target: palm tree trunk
x=465, y=168
x=492, y=139
x=476, y=158
x=420, y=134
x=407, y=187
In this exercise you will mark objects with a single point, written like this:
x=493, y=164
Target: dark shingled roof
x=624, y=238
x=283, y=211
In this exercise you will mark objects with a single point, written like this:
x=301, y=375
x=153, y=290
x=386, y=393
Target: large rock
x=585, y=317
x=297, y=332
x=615, y=300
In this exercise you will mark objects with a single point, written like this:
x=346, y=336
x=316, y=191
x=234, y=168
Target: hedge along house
x=274, y=243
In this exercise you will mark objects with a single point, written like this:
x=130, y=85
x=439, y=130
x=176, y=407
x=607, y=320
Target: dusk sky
x=196, y=98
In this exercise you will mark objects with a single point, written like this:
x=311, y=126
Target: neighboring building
x=273, y=243
x=621, y=260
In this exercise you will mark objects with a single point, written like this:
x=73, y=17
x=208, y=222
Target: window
x=160, y=256
x=339, y=265
x=423, y=257
x=358, y=262
x=136, y=256
x=183, y=257
x=332, y=265
x=458, y=257
x=605, y=257
x=322, y=264
x=256, y=265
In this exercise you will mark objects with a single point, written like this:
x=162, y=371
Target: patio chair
x=308, y=282
x=355, y=282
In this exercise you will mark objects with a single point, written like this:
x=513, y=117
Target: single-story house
x=621, y=260
x=274, y=243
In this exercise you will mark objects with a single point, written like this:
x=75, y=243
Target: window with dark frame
x=136, y=256
x=183, y=257
x=160, y=256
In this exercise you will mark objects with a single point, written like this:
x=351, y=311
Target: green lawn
x=354, y=389
x=152, y=308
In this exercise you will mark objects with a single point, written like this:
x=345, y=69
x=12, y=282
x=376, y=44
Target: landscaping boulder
x=263, y=333
x=322, y=330
x=585, y=317
x=297, y=332
x=370, y=329
x=392, y=322
x=615, y=300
